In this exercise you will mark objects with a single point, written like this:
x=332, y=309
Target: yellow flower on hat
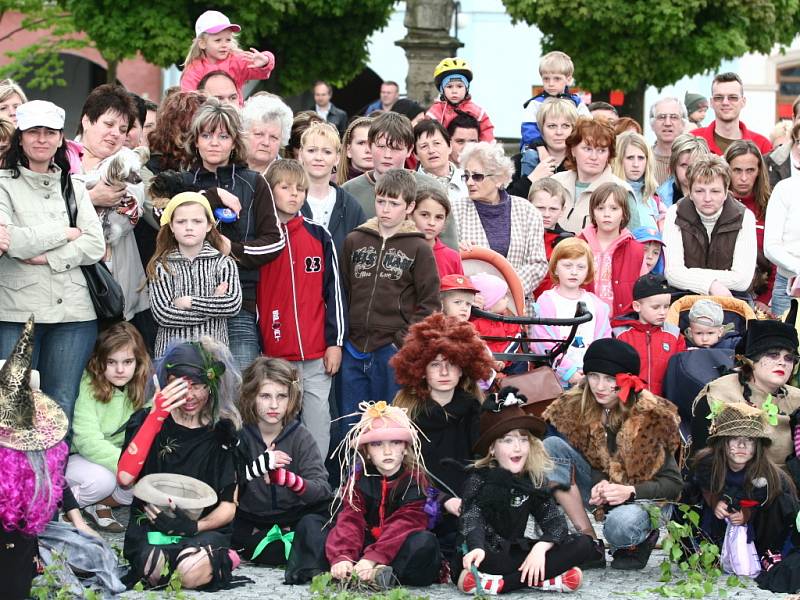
x=378, y=409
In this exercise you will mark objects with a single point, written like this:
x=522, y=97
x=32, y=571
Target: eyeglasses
x=741, y=442
x=788, y=357
x=732, y=98
x=668, y=117
x=476, y=177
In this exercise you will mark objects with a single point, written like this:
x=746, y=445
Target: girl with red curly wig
x=439, y=365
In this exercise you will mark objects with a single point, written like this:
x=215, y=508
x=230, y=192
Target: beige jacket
x=34, y=211
x=576, y=212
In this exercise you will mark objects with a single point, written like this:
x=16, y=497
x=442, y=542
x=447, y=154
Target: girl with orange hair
x=439, y=365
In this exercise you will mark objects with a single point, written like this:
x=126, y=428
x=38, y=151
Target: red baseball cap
x=457, y=282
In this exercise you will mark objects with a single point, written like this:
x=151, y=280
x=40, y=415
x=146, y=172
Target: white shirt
x=322, y=112
x=322, y=208
x=782, y=227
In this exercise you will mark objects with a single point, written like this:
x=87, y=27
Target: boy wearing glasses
x=727, y=101
x=391, y=141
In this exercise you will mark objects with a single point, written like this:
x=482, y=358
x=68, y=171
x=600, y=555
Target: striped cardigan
x=177, y=276
x=526, y=248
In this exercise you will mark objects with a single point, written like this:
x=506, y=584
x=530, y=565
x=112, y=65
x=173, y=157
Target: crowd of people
x=295, y=375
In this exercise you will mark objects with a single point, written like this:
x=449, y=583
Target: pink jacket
x=444, y=112
x=236, y=65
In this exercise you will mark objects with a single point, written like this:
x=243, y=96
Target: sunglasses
x=476, y=177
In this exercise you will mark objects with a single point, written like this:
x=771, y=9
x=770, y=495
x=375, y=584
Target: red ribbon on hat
x=627, y=382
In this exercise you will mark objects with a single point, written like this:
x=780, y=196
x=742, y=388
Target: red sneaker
x=569, y=581
x=491, y=585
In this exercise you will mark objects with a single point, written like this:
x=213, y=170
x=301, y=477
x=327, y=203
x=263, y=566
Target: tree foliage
x=629, y=44
x=312, y=39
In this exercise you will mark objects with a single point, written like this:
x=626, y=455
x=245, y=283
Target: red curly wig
x=456, y=340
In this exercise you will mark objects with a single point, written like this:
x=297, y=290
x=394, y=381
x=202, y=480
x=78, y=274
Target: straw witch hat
x=738, y=419
x=29, y=420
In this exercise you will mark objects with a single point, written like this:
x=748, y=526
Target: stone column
x=427, y=42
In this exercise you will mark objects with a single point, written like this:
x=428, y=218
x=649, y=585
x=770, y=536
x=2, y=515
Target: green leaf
x=733, y=581
x=676, y=552
x=694, y=518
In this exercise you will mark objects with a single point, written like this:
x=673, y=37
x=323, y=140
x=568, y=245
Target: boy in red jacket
x=646, y=329
x=300, y=301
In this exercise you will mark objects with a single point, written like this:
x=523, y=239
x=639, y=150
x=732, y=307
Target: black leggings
x=575, y=549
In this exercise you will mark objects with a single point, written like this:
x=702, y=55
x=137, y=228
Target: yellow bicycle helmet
x=451, y=66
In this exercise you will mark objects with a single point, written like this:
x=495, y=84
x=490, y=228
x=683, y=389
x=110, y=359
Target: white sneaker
x=103, y=517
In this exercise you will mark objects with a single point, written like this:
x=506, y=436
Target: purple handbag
x=739, y=557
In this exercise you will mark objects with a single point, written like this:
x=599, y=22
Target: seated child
x=571, y=267
x=431, y=210
x=646, y=329
x=549, y=198
x=507, y=486
x=735, y=482
x=494, y=292
x=650, y=238
x=707, y=328
x=452, y=77
x=286, y=479
x=379, y=531
x=439, y=367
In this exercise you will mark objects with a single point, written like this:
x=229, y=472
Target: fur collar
x=650, y=431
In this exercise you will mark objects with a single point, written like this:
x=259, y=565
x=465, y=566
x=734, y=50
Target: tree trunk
x=111, y=71
x=633, y=105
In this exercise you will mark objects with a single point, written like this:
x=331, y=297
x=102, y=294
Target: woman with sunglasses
x=492, y=218
x=767, y=357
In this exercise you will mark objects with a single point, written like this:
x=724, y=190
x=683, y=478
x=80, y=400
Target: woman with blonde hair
x=634, y=164
x=11, y=96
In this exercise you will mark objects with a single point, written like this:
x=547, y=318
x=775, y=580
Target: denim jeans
x=625, y=525
x=243, y=339
x=60, y=354
x=316, y=413
x=781, y=301
x=369, y=379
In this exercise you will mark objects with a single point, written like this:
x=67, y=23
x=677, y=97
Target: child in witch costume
x=379, y=528
x=34, y=456
x=439, y=366
x=735, y=482
x=506, y=487
x=191, y=430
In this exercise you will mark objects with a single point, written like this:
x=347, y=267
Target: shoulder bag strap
x=69, y=199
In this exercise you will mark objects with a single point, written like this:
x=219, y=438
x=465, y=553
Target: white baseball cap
x=39, y=113
x=213, y=21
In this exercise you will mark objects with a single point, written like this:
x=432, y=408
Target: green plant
x=695, y=558
x=172, y=589
x=49, y=586
x=324, y=587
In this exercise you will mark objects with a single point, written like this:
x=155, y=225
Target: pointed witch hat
x=29, y=420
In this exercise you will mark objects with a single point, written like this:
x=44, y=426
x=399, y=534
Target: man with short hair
x=389, y=94
x=604, y=110
x=728, y=100
x=667, y=120
x=326, y=110
x=463, y=130
x=432, y=148
x=221, y=86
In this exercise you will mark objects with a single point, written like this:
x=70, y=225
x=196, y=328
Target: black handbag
x=106, y=293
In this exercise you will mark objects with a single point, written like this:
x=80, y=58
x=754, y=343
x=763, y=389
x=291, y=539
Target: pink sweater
x=236, y=65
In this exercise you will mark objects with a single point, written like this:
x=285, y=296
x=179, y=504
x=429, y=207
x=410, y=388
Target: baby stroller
x=689, y=372
x=539, y=383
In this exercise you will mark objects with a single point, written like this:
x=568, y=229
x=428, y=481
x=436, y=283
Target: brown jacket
x=642, y=452
x=717, y=253
x=390, y=283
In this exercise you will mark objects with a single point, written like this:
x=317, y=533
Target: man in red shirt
x=727, y=100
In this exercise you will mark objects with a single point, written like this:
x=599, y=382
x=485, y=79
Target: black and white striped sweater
x=178, y=276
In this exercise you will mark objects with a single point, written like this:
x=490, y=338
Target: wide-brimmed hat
x=187, y=493
x=29, y=420
x=763, y=335
x=738, y=419
x=502, y=412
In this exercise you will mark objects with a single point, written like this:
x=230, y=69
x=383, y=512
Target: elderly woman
x=40, y=272
x=491, y=217
x=590, y=149
x=556, y=118
x=218, y=149
x=685, y=150
x=768, y=356
x=191, y=431
x=107, y=114
x=11, y=97
x=267, y=124
x=709, y=237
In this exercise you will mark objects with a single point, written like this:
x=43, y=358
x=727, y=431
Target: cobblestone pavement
x=607, y=584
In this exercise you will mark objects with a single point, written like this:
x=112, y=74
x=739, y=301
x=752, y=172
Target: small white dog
x=122, y=168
